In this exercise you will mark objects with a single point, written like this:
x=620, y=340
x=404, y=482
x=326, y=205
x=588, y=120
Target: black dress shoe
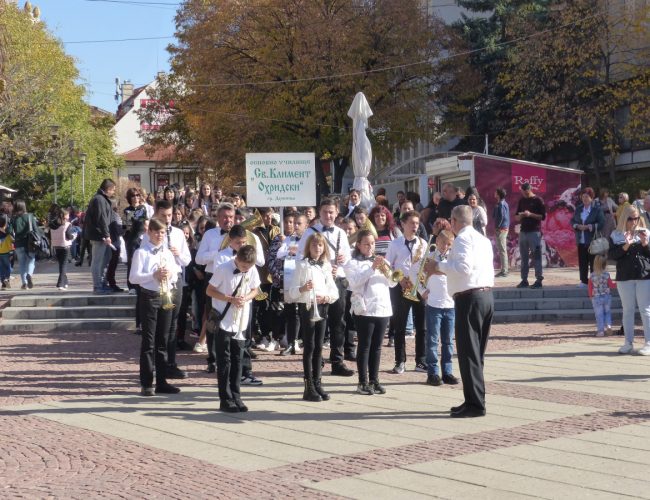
x=468, y=412
x=454, y=409
x=240, y=405
x=167, y=389
x=181, y=345
x=211, y=368
x=147, y=391
x=252, y=353
x=287, y=351
x=341, y=370
x=449, y=379
x=229, y=406
x=350, y=357
x=117, y=289
x=434, y=380
x=174, y=372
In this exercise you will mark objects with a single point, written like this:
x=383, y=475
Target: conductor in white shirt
x=470, y=278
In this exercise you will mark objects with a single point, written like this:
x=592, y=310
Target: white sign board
x=280, y=179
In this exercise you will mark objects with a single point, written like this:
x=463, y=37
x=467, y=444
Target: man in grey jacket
x=98, y=218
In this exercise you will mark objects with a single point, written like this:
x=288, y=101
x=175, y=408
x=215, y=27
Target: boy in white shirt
x=232, y=287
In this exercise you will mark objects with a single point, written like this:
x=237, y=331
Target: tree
x=585, y=86
x=280, y=75
x=41, y=92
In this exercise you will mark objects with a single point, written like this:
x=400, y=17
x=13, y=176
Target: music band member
x=154, y=265
x=232, y=287
x=370, y=303
x=403, y=253
x=312, y=287
x=339, y=252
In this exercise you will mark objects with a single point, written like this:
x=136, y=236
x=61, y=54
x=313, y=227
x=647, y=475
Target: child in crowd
x=62, y=235
x=440, y=317
x=153, y=264
x=234, y=284
x=6, y=251
x=312, y=287
x=600, y=285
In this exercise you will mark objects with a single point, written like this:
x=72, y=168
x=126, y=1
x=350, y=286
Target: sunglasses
x=632, y=219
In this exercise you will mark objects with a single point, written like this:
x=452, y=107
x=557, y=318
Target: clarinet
x=336, y=251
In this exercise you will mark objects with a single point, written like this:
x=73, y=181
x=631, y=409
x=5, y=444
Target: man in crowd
x=531, y=211
x=501, y=217
x=98, y=217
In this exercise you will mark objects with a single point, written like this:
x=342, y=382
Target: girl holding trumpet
x=155, y=270
x=312, y=287
x=370, y=282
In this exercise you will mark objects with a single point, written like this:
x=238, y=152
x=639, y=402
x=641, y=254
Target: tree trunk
x=340, y=166
x=594, y=161
x=322, y=188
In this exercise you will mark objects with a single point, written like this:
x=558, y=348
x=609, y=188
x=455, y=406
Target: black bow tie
x=410, y=243
x=328, y=229
x=234, y=252
x=223, y=231
x=156, y=250
x=236, y=271
x=315, y=262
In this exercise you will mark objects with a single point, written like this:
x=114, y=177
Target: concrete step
x=59, y=313
x=548, y=316
x=73, y=300
x=544, y=293
x=549, y=304
x=67, y=325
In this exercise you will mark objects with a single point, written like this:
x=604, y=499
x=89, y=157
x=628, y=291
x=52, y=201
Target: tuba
x=411, y=293
x=249, y=224
x=165, y=289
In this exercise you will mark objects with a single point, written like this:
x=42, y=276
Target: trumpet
x=393, y=275
x=165, y=289
x=239, y=311
x=313, y=302
x=411, y=293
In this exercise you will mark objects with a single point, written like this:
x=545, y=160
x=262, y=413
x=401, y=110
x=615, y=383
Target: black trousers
x=155, y=328
x=312, y=340
x=275, y=314
x=350, y=325
x=585, y=262
x=473, y=320
x=336, y=324
x=229, y=356
x=177, y=297
x=130, y=250
x=186, y=301
x=112, y=266
x=403, y=306
x=292, y=320
x=370, y=332
x=62, y=258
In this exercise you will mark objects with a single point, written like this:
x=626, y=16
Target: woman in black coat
x=587, y=220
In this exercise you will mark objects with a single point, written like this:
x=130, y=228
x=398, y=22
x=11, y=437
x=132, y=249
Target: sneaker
x=398, y=369
x=523, y=284
x=271, y=347
x=117, y=289
x=250, y=380
x=198, y=347
x=132, y=291
x=450, y=379
x=30, y=284
x=608, y=330
x=600, y=334
x=626, y=349
x=645, y=350
x=421, y=367
x=4, y=284
x=501, y=274
x=409, y=334
x=60, y=288
x=581, y=285
x=365, y=389
x=287, y=351
x=536, y=285
x=391, y=342
x=377, y=387
x=296, y=348
x=262, y=345
x=434, y=380
x=24, y=286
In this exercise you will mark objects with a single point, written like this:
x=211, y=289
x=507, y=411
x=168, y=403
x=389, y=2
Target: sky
x=100, y=63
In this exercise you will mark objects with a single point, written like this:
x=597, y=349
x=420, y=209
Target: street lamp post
x=71, y=146
x=55, y=138
x=83, y=177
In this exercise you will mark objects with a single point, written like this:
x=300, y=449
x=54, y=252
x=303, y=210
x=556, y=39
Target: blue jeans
x=633, y=293
x=5, y=266
x=26, y=263
x=440, y=327
x=101, y=255
x=531, y=242
x=602, y=310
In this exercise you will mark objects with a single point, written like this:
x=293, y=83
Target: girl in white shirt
x=312, y=287
x=372, y=309
x=62, y=239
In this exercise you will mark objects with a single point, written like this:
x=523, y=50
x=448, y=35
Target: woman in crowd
x=608, y=207
x=384, y=224
x=20, y=222
x=371, y=305
x=478, y=213
x=189, y=201
x=171, y=195
x=587, y=220
x=629, y=248
x=178, y=216
x=623, y=201
x=204, y=200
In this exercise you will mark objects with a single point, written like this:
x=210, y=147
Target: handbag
x=37, y=242
x=599, y=244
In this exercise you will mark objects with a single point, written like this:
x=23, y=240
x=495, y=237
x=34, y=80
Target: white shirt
x=370, y=285
x=320, y=275
x=145, y=263
x=337, y=235
x=225, y=280
x=225, y=255
x=178, y=240
x=470, y=262
x=437, y=285
x=400, y=258
x=209, y=247
x=283, y=251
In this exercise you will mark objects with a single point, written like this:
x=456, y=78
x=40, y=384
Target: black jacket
x=631, y=265
x=98, y=217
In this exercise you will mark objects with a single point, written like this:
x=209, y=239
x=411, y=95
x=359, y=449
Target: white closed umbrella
x=361, y=149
